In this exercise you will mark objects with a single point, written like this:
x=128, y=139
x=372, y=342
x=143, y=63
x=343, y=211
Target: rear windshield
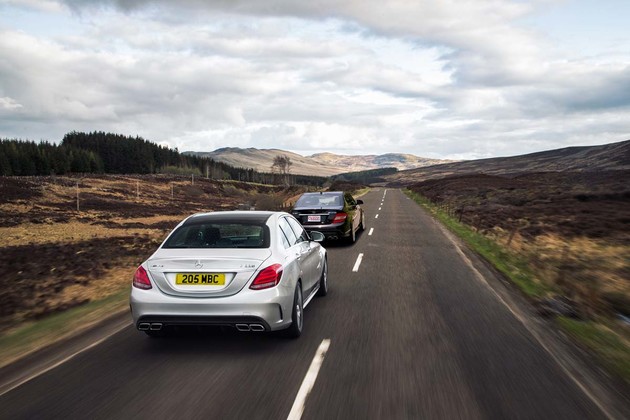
x=219, y=235
x=320, y=201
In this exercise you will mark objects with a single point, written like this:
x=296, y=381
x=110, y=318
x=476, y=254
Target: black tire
x=362, y=225
x=297, y=315
x=323, y=281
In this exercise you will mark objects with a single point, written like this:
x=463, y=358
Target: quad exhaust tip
x=146, y=326
x=250, y=327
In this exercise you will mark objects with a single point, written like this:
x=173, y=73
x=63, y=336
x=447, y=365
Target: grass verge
x=361, y=192
x=512, y=266
x=33, y=336
x=612, y=349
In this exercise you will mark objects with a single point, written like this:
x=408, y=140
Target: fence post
x=511, y=237
x=78, y=196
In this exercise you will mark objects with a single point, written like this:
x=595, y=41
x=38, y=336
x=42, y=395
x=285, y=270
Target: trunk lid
x=234, y=268
x=317, y=216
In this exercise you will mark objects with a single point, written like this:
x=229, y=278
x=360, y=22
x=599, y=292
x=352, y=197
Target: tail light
x=268, y=277
x=340, y=217
x=141, y=279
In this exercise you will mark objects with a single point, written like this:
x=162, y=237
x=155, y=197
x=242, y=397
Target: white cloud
x=40, y=5
x=443, y=79
x=7, y=103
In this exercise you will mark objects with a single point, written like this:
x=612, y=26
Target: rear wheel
x=362, y=226
x=297, y=315
x=323, y=281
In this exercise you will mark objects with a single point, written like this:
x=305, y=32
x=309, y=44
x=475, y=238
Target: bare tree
x=282, y=165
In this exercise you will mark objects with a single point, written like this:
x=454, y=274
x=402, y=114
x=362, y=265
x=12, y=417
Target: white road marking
x=379, y=209
x=376, y=217
x=309, y=381
x=371, y=231
x=358, y=263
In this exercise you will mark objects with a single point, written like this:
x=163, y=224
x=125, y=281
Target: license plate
x=200, y=279
x=314, y=219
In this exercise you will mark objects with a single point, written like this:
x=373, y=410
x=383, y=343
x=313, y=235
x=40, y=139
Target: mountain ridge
x=605, y=157
x=411, y=168
x=320, y=164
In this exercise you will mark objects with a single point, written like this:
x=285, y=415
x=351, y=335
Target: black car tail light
x=340, y=217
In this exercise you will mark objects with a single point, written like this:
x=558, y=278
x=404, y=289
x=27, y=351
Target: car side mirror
x=359, y=201
x=317, y=236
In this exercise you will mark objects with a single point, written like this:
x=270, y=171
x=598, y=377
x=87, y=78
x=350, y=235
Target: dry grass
x=74, y=231
x=572, y=228
x=595, y=273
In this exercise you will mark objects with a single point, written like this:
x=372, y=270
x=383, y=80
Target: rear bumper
x=269, y=308
x=330, y=231
x=244, y=323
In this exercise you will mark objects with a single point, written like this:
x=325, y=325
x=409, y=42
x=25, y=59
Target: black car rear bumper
x=331, y=232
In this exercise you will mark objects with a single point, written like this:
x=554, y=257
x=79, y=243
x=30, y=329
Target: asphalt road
x=413, y=333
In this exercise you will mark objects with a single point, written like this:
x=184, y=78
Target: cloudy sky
x=457, y=79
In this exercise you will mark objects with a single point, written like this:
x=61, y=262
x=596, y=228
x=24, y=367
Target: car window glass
x=286, y=229
x=298, y=229
x=283, y=238
x=350, y=200
x=219, y=235
x=319, y=200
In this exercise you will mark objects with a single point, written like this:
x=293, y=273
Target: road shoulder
x=48, y=357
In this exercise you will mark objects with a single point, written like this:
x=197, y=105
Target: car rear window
x=219, y=235
x=320, y=201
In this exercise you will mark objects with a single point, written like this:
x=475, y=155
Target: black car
x=334, y=213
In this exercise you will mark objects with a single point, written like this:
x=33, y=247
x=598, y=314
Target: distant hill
x=399, y=161
x=321, y=164
x=613, y=156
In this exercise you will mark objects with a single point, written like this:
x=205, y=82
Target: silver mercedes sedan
x=252, y=270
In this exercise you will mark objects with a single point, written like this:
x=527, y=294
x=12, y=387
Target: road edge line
x=46, y=366
x=525, y=323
